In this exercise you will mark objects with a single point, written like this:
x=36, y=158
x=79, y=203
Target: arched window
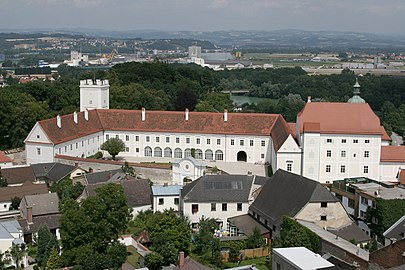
x=158, y=152
x=148, y=151
x=187, y=152
x=178, y=153
x=168, y=152
x=209, y=155
x=219, y=155
x=198, y=154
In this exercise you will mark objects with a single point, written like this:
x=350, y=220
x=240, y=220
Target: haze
x=373, y=16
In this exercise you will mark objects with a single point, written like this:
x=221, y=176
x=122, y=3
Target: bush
x=98, y=155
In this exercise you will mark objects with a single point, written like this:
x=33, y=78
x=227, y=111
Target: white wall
x=136, y=210
x=289, y=153
x=389, y=171
x=5, y=206
x=168, y=203
x=94, y=95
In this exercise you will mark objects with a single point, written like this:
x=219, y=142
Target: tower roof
x=356, y=94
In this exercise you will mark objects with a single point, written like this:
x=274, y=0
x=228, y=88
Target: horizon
x=362, y=16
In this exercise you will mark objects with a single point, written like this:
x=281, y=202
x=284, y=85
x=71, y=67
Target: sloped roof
x=286, y=194
x=159, y=121
x=7, y=193
x=4, y=158
x=279, y=132
x=53, y=171
x=43, y=204
x=18, y=175
x=397, y=230
x=246, y=224
x=166, y=190
x=392, y=154
x=137, y=191
x=351, y=231
x=339, y=118
x=52, y=221
x=103, y=176
x=191, y=264
x=218, y=188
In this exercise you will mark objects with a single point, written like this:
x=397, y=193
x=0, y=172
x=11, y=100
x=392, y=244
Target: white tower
x=94, y=94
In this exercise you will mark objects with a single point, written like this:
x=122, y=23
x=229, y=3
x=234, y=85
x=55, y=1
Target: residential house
x=137, y=191
x=187, y=263
x=37, y=210
x=5, y=161
x=9, y=192
x=166, y=197
x=187, y=169
x=389, y=257
x=11, y=234
x=298, y=258
x=396, y=232
x=54, y=172
x=358, y=194
x=300, y=198
x=17, y=176
x=219, y=197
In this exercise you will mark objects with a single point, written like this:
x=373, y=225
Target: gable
x=290, y=145
x=37, y=134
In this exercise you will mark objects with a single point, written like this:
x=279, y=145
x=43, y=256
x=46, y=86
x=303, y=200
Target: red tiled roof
x=392, y=154
x=279, y=132
x=292, y=127
x=4, y=158
x=339, y=118
x=159, y=121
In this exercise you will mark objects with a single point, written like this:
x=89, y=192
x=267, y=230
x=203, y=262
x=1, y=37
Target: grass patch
x=133, y=258
x=259, y=262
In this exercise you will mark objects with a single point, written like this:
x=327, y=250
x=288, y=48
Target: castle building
x=329, y=140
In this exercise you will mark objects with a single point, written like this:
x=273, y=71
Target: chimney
x=225, y=115
x=109, y=175
x=75, y=117
x=143, y=114
x=181, y=259
x=86, y=114
x=29, y=215
x=90, y=169
x=309, y=99
x=58, y=121
x=187, y=114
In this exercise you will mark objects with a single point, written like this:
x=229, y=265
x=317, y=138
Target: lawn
x=259, y=262
x=133, y=259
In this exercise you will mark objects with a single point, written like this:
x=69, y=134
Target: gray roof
x=53, y=171
x=286, y=194
x=166, y=190
x=43, y=204
x=397, y=230
x=350, y=232
x=100, y=177
x=218, y=188
x=246, y=224
x=377, y=190
x=52, y=221
x=137, y=191
x=7, y=227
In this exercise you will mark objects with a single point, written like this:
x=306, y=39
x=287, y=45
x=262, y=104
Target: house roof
x=218, y=188
x=332, y=118
x=392, y=154
x=160, y=121
x=279, y=132
x=246, y=224
x=302, y=258
x=4, y=158
x=53, y=171
x=7, y=193
x=137, y=191
x=103, y=176
x=166, y=190
x=397, y=230
x=18, y=175
x=43, y=204
x=286, y=194
x=191, y=264
x=7, y=227
x=351, y=231
x=52, y=221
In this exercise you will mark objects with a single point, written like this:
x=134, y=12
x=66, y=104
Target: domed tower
x=356, y=94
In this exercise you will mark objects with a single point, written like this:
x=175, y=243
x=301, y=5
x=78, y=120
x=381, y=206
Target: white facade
x=288, y=157
x=166, y=197
x=187, y=168
x=220, y=211
x=94, y=94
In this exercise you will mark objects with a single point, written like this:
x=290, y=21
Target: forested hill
x=159, y=86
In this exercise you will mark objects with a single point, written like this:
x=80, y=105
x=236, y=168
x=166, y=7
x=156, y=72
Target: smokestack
x=29, y=215
x=58, y=121
x=187, y=114
x=181, y=259
x=86, y=114
x=143, y=114
x=309, y=99
x=225, y=115
x=75, y=117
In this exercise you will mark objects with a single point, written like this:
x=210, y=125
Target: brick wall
x=389, y=256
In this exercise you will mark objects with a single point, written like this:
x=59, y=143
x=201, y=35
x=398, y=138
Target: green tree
x=128, y=169
x=53, y=261
x=46, y=243
x=154, y=261
x=65, y=189
x=113, y=146
x=294, y=234
x=18, y=252
x=204, y=238
x=15, y=203
x=255, y=240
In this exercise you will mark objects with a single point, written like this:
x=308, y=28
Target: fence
x=246, y=254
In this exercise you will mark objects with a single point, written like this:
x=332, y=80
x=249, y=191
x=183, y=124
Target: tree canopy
x=113, y=146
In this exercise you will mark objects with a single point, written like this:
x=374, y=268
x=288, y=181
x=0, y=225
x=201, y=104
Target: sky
x=372, y=16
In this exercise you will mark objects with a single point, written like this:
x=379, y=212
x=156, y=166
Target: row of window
x=224, y=207
x=328, y=169
x=176, y=201
x=345, y=141
x=188, y=140
x=366, y=153
x=178, y=153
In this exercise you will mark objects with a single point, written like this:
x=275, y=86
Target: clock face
x=187, y=166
